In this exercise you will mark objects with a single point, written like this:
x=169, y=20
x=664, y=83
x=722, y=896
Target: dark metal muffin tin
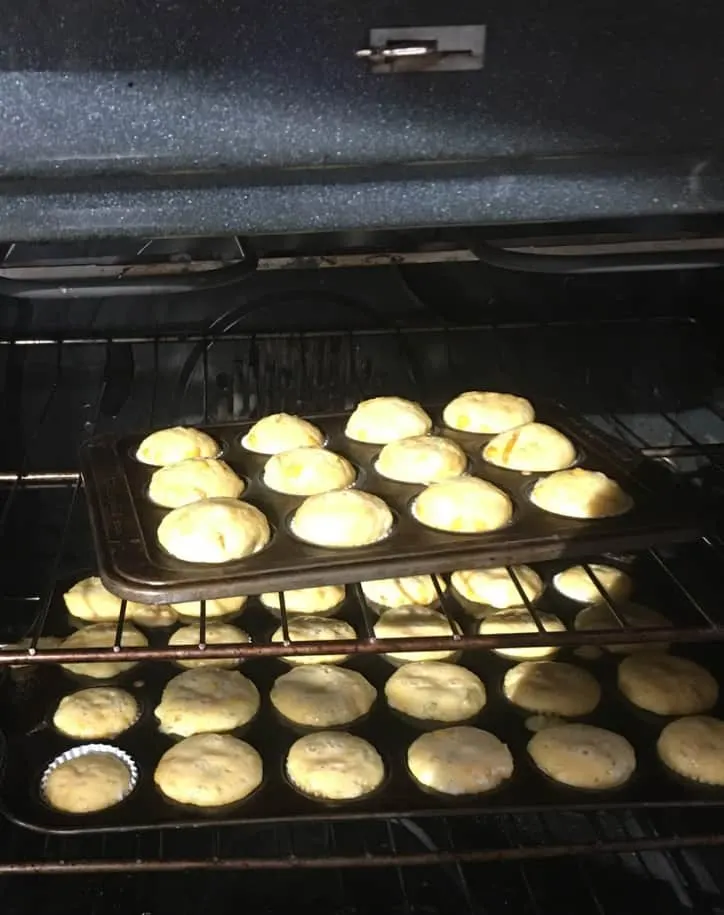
x=133, y=565
x=31, y=695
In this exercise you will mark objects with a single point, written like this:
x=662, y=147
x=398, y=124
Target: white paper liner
x=85, y=750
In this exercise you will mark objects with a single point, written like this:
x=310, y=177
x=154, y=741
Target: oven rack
x=73, y=388
x=470, y=864
x=124, y=385
x=694, y=624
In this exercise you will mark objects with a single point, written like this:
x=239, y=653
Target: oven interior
x=637, y=354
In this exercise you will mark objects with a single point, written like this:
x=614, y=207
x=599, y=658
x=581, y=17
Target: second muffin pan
x=133, y=565
x=31, y=695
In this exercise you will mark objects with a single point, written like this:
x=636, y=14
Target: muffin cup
x=89, y=749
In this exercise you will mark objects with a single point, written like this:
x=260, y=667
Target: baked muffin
x=209, y=770
x=693, y=747
x=435, y=691
x=97, y=713
x=495, y=587
x=580, y=493
x=552, y=688
x=517, y=620
x=322, y=696
x=334, y=766
x=466, y=505
x=460, y=760
x=306, y=600
x=89, y=782
x=487, y=412
x=575, y=583
x=400, y=592
x=91, y=601
x=215, y=607
x=421, y=459
x=103, y=635
x=415, y=622
x=583, y=756
x=315, y=629
x=667, y=685
x=153, y=616
x=214, y=531
x=190, y=481
x=342, y=519
x=636, y=616
x=533, y=448
x=281, y=432
x=216, y=634
x=386, y=419
x=180, y=443
x=206, y=699
x=308, y=472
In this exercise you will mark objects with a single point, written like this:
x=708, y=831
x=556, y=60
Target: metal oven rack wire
x=67, y=389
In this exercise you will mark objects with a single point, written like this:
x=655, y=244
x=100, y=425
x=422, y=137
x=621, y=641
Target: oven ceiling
x=133, y=117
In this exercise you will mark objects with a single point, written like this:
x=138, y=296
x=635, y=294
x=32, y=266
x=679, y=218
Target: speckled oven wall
x=224, y=116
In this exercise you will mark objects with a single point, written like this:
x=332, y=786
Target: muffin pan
x=33, y=692
x=133, y=565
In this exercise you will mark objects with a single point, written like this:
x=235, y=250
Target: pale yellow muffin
x=515, y=621
x=667, y=685
x=575, y=583
x=209, y=770
x=535, y=723
x=306, y=600
x=552, y=688
x=314, y=629
x=387, y=419
x=496, y=588
x=400, y=592
x=487, y=412
x=435, y=691
x=583, y=756
x=103, y=635
x=636, y=616
x=416, y=622
x=580, y=493
x=213, y=531
x=91, y=601
x=180, y=443
x=190, y=481
x=342, y=519
x=89, y=783
x=215, y=607
x=533, y=448
x=281, y=432
x=216, y=634
x=693, y=747
x=466, y=505
x=153, y=616
x=322, y=696
x=97, y=713
x=308, y=472
x=334, y=766
x=460, y=760
x=206, y=699
x=421, y=459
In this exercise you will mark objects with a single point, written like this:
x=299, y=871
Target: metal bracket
x=427, y=49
